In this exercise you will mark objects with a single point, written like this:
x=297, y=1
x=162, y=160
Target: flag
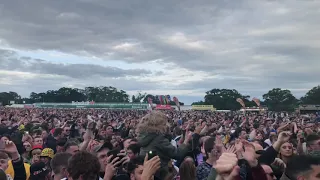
x=150, y=101
x=169, y=98
x=257, y=101
x=239, y=100
x=175, y=99
x=164, y=99
x=160, y=99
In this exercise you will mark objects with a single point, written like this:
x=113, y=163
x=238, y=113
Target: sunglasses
x=260, y=152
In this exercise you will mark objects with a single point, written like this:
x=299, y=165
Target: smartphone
x=114, y=154
x=151, y=154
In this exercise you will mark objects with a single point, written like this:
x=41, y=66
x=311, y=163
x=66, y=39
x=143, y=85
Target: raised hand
x=249, y=154
x=111, y=168
x=227, y=167
x=239, y=145
x=150, y=167
x=284, y=136
x=231, y=149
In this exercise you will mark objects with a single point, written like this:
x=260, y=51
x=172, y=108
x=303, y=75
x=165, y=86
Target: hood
x=144, y=139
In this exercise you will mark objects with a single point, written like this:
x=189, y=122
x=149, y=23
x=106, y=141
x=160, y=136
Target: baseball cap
x=37, y=147
x=47, y=152
x=106, y=145
x=38, y=171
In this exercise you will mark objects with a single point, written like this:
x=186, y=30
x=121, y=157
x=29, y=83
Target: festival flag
x=164, y=99
x=257, y=101
x=150, y=101
x=169, y=98
x=161, y=99
x=175, y=99
x=239, y=100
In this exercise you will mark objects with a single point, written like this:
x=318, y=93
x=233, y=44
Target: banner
x=163, y=107
x=164, y=99
x=139, y=106
x=203, y=107
x=150, y=102
x=239, y=100
x=257, y=101
x=176, y=100
x=160, y=99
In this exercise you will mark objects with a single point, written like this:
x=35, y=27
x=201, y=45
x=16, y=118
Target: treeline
x=64, y=94
x=275, y=99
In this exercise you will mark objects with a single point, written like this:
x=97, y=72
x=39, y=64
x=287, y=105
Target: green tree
x=97, y=94
x=312, y=96
x=6, y=97
x=138, y=97
x=106, y=94
x=280, y=100
x=224, y=98
x=199, y=103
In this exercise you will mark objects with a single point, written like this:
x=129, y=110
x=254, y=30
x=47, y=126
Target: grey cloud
x=26, y=85
x=245, y=28
x=26, y=64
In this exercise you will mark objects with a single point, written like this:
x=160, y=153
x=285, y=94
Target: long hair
x=187, y=170
x=153, y=122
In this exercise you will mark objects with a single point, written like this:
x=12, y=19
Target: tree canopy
x=312, y=96
x=276, y=99
x=280, y=100
x=67, y=95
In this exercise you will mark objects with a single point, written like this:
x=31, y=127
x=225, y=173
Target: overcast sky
x=177, y=47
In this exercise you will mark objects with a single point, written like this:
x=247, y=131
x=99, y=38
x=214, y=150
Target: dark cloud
x=250, y=45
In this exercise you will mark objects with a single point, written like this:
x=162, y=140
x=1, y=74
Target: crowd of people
x=92, y=144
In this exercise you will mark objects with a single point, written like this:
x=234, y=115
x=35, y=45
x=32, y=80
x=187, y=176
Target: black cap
x=38, y=171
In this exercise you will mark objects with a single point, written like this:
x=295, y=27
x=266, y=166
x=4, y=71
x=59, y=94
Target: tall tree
x=97, y=94
x=6, y=97
x=224, y=98
x=312, y=96
x=280, y=100
x=138, y=97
